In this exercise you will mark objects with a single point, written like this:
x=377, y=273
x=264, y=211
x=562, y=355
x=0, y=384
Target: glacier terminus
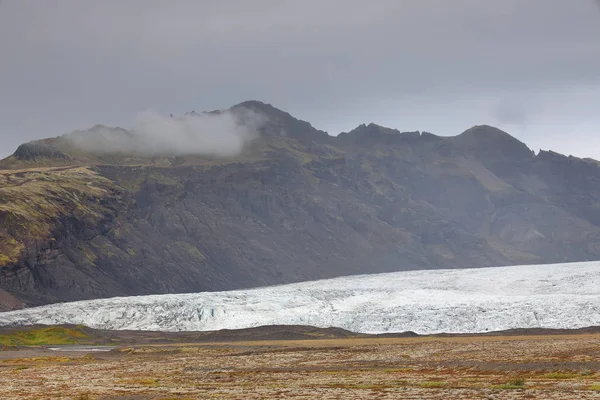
x=426, y=302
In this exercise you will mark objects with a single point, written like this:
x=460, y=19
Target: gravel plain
x=500, y=367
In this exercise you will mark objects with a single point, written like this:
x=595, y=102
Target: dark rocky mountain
x=295, y=205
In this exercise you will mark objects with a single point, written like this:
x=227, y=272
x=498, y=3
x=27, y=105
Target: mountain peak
x=255, y=104
x=39, y=149
x=279, y=122
x=489, y=141
x=486, y=131
x=265, y=109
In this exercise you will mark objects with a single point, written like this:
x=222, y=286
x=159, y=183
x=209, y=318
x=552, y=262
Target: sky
x=531, y=68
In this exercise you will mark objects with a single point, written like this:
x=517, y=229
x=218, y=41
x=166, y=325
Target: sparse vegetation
x=190, y=249
x=432, y=384
x=560, y=375
x=517, y=383
x=396, y=370
x=150, y=382
x=428, y=368
x=176, y=398
x=360, y=386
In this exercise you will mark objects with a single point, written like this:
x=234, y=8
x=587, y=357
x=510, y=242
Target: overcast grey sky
x=530, y=67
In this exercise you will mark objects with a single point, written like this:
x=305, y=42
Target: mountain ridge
x=296, y=204
x=37, y=150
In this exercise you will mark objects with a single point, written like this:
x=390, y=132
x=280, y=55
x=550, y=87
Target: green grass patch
x=44, y=336
x=595, y=386
x=560, y=375
x=149, y=382
x=518, y=383
x=4, y=259
x=190, y=249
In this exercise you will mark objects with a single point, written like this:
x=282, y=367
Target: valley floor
x=494, y=367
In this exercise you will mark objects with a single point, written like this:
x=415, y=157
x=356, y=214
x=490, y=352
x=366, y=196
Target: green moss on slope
x=32, y=201
x=44, y=336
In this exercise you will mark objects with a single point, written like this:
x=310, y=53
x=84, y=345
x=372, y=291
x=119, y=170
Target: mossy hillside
x=33, y=201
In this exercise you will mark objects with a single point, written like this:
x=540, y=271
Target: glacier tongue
x=458, y=301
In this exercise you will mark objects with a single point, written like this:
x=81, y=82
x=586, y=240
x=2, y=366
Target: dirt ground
x=502, y=367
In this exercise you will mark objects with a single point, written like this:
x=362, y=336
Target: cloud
x=511, y=113
x=410, y=64
x=221, y=133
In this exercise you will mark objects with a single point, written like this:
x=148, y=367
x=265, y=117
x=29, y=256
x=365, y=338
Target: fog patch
x=512, y=113
x=221, y=133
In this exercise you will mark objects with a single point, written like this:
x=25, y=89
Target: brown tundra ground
x=500, y=367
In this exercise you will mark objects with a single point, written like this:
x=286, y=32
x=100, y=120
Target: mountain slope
x=295, y=204
x=559, y=296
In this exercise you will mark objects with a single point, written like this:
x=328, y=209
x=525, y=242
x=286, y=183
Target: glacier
x=426, y=302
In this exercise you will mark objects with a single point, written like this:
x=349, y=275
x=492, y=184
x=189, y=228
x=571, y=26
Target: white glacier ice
x=458, y=301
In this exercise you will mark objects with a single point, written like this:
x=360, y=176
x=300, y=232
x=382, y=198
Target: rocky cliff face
x=296, y=205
